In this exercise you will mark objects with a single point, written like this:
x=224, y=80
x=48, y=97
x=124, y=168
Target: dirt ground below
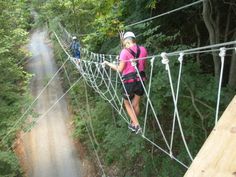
x=49, y=150
x=89, y=168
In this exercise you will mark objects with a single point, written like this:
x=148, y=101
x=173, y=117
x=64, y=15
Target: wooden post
x=217, y=157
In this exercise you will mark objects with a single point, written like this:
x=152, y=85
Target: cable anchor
x=165, y=60
x=181, y=57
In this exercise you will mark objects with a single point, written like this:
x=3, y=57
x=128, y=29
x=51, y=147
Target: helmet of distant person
x=128, y=35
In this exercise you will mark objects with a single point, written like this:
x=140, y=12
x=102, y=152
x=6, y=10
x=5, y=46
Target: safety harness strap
x=134, y=75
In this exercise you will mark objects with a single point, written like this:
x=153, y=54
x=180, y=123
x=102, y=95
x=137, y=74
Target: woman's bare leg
x=131, y=113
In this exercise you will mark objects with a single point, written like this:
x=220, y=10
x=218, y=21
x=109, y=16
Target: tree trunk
x=74, y=17
x=232, y=73
x=198, y=43
x=227, y=25
x=213, y=29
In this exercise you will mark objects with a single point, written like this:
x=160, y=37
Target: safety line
x=222, y=57
x=165, y=61
x=30, y=106
x=180, y=59
x=169, y=12
x=45, y=113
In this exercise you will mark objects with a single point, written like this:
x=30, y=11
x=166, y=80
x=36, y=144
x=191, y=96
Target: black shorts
x=132, y=88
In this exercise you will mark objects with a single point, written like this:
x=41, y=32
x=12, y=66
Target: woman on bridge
x=133, y=89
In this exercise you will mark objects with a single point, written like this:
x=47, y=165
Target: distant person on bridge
x=133, y=89
x=75, y=48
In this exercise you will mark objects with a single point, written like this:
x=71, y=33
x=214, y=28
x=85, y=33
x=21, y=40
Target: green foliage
x=9, y=166
x=97, y=23
x=14, y=81
x=123, y=153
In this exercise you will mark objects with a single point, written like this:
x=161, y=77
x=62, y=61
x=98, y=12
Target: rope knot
x=133, y=63
x=152, y=61
x=222, y=52
x=164, y=60
x=181, y=57
x=103, y=65
x=171, y=155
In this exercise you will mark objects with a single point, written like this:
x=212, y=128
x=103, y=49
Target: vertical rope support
x=32, y=103
x=165, y=61
x=151, y=105
x=222, y=57
x=110, y=59
x=149, y=88
x=117, y=77
x=180, y=59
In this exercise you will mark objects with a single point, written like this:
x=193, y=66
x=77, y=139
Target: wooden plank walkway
x=217, y=157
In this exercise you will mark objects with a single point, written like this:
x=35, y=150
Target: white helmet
x=74, y=37
x=129, y=34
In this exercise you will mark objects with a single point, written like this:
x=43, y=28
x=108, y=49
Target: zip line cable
x=45, y=113
x=30, y=106
x=166, y=13
x=145, y=20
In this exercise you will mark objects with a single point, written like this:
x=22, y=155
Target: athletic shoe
x=138, y=129
x=132, y=127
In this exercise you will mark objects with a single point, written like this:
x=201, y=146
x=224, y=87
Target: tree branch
x=212, y=26
x=227, y=24
x=230, y=3
x=196, y=109
x=199, y=101
x=198, y=42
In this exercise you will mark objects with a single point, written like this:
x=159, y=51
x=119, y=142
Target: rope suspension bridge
x=106, y=83
x=99, y=78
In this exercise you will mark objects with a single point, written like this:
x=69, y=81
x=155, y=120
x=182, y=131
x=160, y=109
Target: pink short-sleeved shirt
x=125, y=55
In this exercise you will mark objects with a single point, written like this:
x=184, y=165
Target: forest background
x=96, y=24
